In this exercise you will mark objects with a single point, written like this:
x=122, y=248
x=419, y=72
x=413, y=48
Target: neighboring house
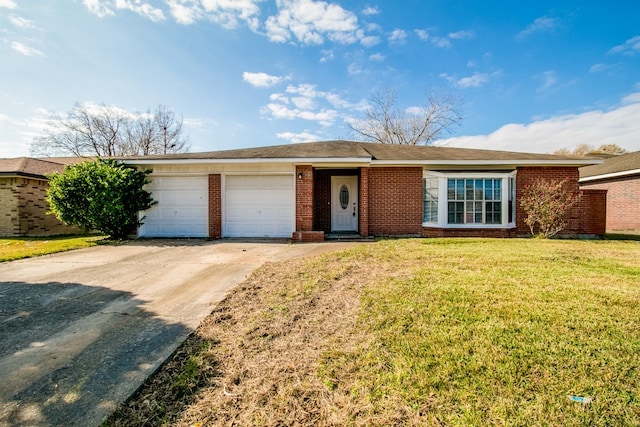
x=620, y=176
x=23, y=187
x=306, y=191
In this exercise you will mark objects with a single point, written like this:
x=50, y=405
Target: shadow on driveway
x=70, y=352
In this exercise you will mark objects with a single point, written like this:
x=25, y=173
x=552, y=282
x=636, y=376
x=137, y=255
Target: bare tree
x=171, y=127
x=583, y=150
x=385, y=123
x=106, y=131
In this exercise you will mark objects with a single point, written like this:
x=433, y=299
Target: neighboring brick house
x=23, y=187
x=307, y=191
x=620, y=177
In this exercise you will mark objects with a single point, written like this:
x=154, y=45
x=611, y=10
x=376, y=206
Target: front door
x=344, y=203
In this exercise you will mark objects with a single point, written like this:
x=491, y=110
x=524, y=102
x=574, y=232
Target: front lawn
x=458, y=332
x=12, y=248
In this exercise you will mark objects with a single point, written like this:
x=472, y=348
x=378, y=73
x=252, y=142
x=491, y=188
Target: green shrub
x=102, y=195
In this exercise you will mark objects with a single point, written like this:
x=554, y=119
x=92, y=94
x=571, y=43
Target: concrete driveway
x=81, y=330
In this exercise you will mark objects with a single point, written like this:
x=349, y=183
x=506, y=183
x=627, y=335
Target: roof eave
x=310, y=160
x=610, y=175
x=487, y=162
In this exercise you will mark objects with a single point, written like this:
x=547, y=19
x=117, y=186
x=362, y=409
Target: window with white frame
x=472, y=199
x=430, y=199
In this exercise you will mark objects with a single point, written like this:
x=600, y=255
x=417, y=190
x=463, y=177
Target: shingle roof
x=613, y=165
x=36, y=168
x=368, y=151
x=29, y=167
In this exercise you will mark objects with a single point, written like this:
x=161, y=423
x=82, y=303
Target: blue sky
x=534, y=76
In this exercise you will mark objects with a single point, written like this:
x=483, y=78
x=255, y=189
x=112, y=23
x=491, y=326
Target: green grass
x=499, y=332
x=13, y=248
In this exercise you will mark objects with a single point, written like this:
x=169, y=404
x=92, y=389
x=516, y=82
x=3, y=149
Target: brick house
x=311, y=190
x=23, y=187
x=620, y=177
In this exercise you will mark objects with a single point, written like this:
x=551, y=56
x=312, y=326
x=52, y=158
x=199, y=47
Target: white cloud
x=354, y=69
x=308, y=103
x=185, y=12
x=261, y=79
x=377, y=57
x=8, y=4
x=461, y=35
x=544, y=24
x=296, y=138
x=475, y=80
x=99, y=8
x=619, y=126
x=141, y=8
x=327, y=55
x=397, y=36
x=25, y=50
x=422, y=34
x=21, y=22
x=629, y=47
x=324, y=117
x=370, y=10
x=549, y=81
x=443, y=42
x=309, y=22
x=369, y=41
x=228, y=13
x=303, y=102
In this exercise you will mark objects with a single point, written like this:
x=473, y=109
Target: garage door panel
x=259, y=206
x=182, y=209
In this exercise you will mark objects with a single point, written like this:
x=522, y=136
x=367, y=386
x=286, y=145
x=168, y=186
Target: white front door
x=344, y=203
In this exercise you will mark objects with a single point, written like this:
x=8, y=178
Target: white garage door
x=182, y=209
x=259, y=206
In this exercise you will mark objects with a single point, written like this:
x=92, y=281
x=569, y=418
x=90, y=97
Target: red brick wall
x=593, y=208
x=584, y=219
x=623, y=202
x=215, y=206
x=468, y=232
x=322, y=200
x=363, y=220
x=304, y=198
x=395, y=200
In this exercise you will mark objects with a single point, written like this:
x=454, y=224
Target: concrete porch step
x=347, y=236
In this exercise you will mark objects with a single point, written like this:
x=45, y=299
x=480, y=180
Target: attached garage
x=182, y=208
x=258, y=206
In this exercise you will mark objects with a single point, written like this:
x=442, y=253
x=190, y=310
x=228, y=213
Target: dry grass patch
x=415, y=332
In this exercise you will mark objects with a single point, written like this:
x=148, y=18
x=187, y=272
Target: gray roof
x=613, y=165
x=369, y=151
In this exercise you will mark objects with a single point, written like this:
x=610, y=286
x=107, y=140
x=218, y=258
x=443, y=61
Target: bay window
x=480, y=199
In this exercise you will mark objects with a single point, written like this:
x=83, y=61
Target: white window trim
x=442, y=197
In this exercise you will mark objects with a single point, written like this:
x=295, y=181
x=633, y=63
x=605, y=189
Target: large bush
x=547, y=204
x=100, y=195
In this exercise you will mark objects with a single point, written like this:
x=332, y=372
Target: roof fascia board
x=23, y=175
x=301, y=160
x=487, y=162
x=610, y=175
